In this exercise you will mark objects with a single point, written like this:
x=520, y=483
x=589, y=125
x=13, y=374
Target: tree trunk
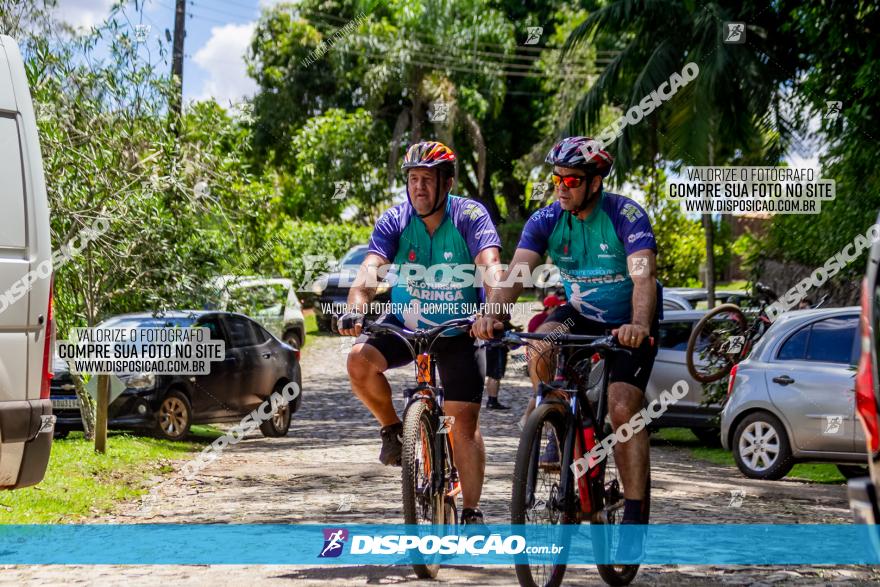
x=488, y=199
x=513, y=192
x=709, y=282
x=418, y=108
x=86, y=406
x=709, y=229
x=654, y=196
x=400, y=126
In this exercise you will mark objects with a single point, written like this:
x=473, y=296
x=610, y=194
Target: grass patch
x=80, y=483
x=311, y=323
x=530, y=295
x=825, y=473
x=730, y=285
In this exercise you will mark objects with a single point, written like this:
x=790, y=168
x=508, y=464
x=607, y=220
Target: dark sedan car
x=256, y=364
x=332, y=289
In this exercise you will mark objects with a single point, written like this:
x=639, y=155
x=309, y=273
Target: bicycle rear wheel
x=605, y=530
x=537, y=488
x=716, y=343
x=421, y=504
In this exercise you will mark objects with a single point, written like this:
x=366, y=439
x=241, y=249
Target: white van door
x=26, y=325
x=15, y=259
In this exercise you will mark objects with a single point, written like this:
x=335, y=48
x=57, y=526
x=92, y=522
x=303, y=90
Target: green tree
x=734, y=106
x=336, y=147
x=175, y=209
x=843, y=47
x=399, y=61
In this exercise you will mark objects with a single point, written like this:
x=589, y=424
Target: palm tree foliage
x=736, y=102
x=733, y=112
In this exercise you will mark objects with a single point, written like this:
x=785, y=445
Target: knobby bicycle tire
x=619, y=575
x=525, y=468
x=417, y=448
x=738, y=316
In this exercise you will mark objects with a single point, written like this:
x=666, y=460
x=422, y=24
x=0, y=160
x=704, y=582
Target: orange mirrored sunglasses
x=570, y=181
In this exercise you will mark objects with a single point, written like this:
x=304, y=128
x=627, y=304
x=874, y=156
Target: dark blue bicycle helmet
x=581, y=153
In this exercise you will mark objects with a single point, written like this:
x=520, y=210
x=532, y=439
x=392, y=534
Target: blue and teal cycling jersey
x=592, y=253
x=443, y=293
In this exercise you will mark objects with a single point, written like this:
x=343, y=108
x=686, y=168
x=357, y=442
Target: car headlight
x=319, y=286
x=140, y=381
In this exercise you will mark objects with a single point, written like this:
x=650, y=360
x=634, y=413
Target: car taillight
x=866, y=402
x=48, y=345
x=731, y=379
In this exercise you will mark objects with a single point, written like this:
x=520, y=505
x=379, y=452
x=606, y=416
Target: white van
x=26, y=324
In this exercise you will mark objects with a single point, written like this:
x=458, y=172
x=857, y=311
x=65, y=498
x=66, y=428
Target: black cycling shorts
x=456, y=357
x=634, y=368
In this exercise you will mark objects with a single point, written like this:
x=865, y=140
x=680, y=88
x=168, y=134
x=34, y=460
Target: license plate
x=65, y=404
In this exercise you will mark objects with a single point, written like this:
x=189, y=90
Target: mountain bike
x=570, y=412
x=725, y=335
x=430, y=480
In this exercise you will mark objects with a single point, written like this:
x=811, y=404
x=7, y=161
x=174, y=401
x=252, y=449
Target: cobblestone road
x=326, y=471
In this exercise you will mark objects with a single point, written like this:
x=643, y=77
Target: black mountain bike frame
x=584, y=424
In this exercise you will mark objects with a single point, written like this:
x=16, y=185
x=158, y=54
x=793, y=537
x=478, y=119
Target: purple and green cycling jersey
x=401, y=237
x=592, y=253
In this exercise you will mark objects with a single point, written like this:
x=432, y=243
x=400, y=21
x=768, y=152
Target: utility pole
x=177, y=59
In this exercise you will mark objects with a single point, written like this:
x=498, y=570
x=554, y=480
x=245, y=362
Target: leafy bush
x=336, y=146
x=294, y=241
x=179, y=202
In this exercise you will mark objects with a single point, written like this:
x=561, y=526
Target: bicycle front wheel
x=716, y=343
x=537, y=493
x=606, y=531
x=421, y=503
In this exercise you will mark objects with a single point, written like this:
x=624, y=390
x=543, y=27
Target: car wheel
x=174, y=416
x=852, y=471
x=297, y=401
x=293, y=338
x=708, y=436
x=278, y=425
x=761, y=448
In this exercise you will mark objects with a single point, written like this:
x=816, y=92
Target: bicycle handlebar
x=601, y=343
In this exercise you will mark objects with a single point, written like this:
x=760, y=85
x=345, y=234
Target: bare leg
x=632, y=456
x=492, y=386
x=470, y=452
x=366, y=366
x=541, y=360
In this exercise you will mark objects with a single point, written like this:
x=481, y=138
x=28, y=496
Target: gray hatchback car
x=670, y=367
x=793, y=398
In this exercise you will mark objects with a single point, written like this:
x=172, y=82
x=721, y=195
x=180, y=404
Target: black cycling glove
x=348, y=321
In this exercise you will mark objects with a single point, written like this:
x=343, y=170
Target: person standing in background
x=550, y=303
x=496, y=365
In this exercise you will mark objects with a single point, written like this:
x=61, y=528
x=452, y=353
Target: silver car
x=793, y=398
x=688, y=298
x=271, y=302
x=670, y=366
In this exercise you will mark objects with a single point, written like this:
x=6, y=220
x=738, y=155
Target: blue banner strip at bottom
x=319, y=545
